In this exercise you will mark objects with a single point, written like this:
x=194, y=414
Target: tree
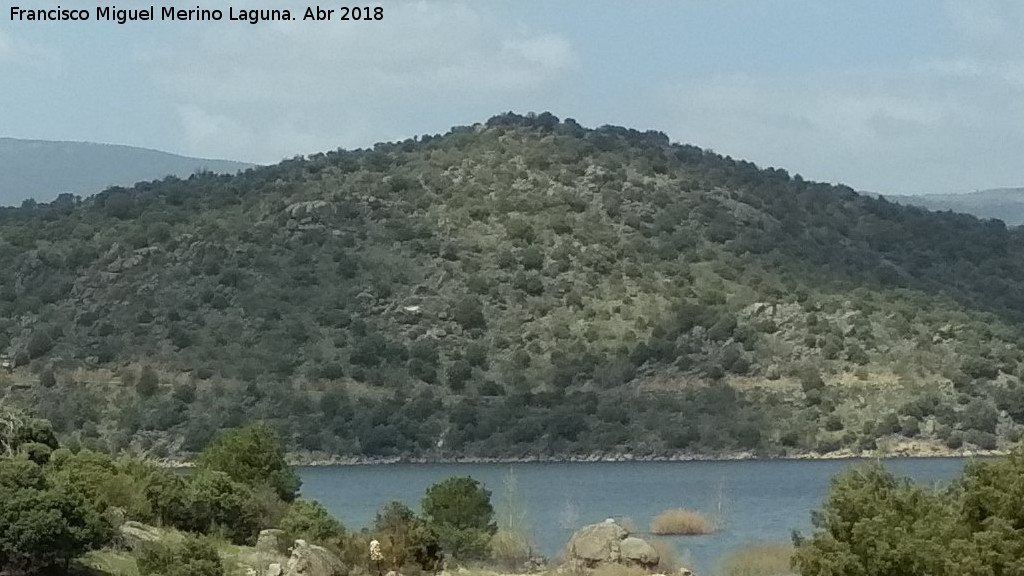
x=216, y=503
x=874, y=524
x=43, y=525
x=309, y=520
x=459, y=511
x=193, y=556
x=469, y=313
x=405, y=538
x=253, y=456
x=148, y=383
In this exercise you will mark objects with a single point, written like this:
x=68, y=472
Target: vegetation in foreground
x=758, y=559
x=875, y=524
x=525, y=287
x=57, y=505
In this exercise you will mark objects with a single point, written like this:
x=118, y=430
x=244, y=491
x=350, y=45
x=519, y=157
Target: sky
x=903, y=97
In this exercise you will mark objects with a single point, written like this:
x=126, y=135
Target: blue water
x=755, y=501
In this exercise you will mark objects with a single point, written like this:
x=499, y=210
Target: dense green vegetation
x=56, y=505
x=526, y=287
x=875, y=524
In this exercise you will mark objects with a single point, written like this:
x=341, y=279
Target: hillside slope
x=41, y=169
x=1006, y=204
x=526, y=287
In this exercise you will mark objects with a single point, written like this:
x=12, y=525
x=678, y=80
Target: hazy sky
x=896, y=97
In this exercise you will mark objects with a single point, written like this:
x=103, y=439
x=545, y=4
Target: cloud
x=333, y=84
x=17, y=53
x=937, y=125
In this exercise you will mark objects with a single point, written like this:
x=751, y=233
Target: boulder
x=274, y=569
x=597, y=543
x=311, y=560
x=272, y=541
x=637, y=551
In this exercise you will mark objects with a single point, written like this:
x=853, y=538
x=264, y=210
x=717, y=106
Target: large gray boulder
x=637, y=551
x=311, y=560
x=609, y=543
x=597, y=543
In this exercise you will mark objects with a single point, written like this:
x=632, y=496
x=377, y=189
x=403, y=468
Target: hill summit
x=521, y=288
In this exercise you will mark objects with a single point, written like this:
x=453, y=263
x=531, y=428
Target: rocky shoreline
x=902, y=450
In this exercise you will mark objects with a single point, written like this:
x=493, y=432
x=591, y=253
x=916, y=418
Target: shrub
x=668, y=557
x=148, y=383
x=757, y=560
x=39, y=344
x=216, y=504
x=681, y=522
x=194, y=556
x=253, y=456
x=309, y=520
x=43, y=524
x=874, y=524
x=459, y=511
x=404, y=538
x=47, y=379
x=511, y=545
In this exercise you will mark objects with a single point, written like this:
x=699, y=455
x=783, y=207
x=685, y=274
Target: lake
x=754, y=500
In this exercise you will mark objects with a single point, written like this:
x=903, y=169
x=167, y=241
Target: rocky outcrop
x=637, y=551
x=272, y=541
x=597, y=543
x=609, y=543
x=135, y=534
x=311, y=560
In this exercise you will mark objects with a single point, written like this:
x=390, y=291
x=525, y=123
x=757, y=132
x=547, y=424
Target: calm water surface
x=753, y=500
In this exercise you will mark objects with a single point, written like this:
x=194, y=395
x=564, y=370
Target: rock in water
x=638, y=551
x=311, y=560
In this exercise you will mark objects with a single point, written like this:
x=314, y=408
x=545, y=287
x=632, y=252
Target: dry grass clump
x=510, y=549
x=668, y=557
x=765, y=559
x=681, y=522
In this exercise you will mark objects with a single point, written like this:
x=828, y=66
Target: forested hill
x=42, y=169
x=520, y=288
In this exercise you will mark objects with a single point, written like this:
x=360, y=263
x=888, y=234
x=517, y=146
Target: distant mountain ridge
x=42, y=169
x=1006, y=204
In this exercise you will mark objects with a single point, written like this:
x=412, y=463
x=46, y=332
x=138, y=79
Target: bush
x=459, y=511
x=44, y=525
x=194, y=556
x=253, y=456
x=148, y=383
x=668, y=558
x=874, y=524
x=309, y=520
x=215, y=504
x=404, y=538
x=511, y=546
x=681, y=522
